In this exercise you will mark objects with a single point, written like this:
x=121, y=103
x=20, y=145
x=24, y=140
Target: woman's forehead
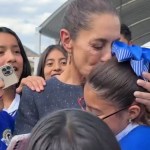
x=106, y=26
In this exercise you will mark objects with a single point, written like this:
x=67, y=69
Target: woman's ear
x=134, y=111
x=66, y=40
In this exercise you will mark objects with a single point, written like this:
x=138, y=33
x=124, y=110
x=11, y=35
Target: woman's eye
x=98, y=47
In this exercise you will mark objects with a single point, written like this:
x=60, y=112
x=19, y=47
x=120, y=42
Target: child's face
x=102, y=108
x=10, y=53
x=55, y=64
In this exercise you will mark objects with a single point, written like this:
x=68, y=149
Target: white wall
x=34, y=61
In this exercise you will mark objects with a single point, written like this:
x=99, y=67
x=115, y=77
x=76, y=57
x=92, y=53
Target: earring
x=69, y=57
x=130, y=120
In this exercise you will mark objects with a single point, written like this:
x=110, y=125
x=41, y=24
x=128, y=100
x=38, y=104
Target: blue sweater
x=137, y=139
x=33, y=105
x=6, y=129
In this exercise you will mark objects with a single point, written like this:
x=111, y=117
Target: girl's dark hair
x=79, y=12
x=72, y=129
x=116, y=82
x=49, y=49
x=26, y=65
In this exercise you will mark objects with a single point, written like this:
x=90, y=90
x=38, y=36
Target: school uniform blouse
x=6, y=129
x=12, y=110
x=135, y=137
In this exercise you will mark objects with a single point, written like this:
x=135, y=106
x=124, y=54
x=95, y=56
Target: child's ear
x=66, y=40
x=134, y=111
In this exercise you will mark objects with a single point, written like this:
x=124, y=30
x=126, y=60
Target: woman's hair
x=26, y=65
x=79, y=13
x=116, y=82
x=49, y=49
x=72, y=129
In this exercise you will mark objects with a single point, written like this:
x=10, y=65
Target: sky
x=23, y=16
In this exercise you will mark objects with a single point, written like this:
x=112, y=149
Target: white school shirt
x=14, y=106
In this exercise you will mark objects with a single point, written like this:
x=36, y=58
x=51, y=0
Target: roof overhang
x=134, y=13
x=51, y=26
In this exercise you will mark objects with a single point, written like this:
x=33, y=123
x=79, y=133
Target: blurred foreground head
x=72, y=130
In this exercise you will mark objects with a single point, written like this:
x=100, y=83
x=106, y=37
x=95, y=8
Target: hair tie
x=139, y=57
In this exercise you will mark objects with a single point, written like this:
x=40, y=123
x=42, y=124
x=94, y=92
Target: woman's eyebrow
x=100, y=40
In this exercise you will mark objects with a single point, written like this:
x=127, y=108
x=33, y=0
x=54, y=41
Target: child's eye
x=1, y=52
x=49, y=64
x=17, y=51
x=63, y=62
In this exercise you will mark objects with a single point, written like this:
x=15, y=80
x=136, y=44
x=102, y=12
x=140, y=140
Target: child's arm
x=1, y=94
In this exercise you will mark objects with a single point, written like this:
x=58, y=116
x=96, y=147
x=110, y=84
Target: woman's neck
x=71, y=75
x=8, y=96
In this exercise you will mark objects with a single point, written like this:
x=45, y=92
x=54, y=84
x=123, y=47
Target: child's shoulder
x=6, y=121
x=137, y=139
x=141, y=129
x=6, y=129
x=5, y=116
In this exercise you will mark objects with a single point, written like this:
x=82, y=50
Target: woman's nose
x=106, y=55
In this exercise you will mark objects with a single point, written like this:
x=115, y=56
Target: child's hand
x=144, y=97
x=33, y=82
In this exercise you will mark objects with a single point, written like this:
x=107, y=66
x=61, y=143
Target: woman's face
x=102, y=108
x=94, y=45
x=10, y=53
x=55, y=64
